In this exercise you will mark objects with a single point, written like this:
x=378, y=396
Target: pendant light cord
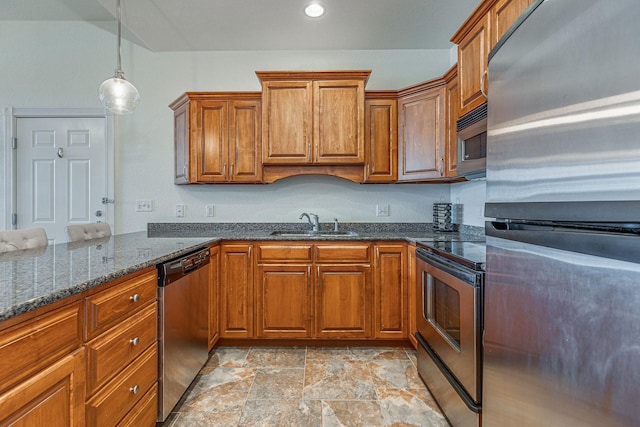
x=119, y=73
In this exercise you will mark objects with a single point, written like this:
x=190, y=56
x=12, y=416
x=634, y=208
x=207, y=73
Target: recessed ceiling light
x=314, y=10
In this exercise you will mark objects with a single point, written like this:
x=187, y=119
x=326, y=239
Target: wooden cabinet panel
x=52, y=397
x=343, y=301
x=452, y=101
x=218, y=137
x=390, y=291
x=338, y=125
x=107, y=308
x=285, y=253
x=287, y=122
x=503, y=14
x=181, y=144
x=473, y=53
x=109, y=353
x=245, y=141
x=211, y=140
x=413, y=294
x=283, y=298
x=313, y=118
x=421, y=123
x=30, y=346
x=122, y=393
x=343, y=253
x=214, y=296
x=381, y=140
x=236, y=291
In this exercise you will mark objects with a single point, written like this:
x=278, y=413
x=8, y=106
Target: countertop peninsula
x=34, y=278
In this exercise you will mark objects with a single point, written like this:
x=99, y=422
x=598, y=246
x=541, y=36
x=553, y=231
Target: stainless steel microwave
x=472, y=143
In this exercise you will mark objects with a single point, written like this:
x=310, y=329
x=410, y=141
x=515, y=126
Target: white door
x=61, y=173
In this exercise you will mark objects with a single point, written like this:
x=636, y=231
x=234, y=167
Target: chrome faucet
x=313, y=220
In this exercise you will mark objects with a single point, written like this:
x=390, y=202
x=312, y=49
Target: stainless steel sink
x=290, y=233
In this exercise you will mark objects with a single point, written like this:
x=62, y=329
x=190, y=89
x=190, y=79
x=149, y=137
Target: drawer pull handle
x=134, y=341
x=134, y=389
x=134, y=298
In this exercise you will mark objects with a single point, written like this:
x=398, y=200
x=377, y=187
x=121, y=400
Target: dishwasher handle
x=175, y=269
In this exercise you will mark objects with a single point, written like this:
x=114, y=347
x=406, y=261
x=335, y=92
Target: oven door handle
x=461, y=272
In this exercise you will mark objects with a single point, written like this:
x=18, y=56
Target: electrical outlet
x=382, y=210
x=144, y=205
x=179, y=211
x=210, y=210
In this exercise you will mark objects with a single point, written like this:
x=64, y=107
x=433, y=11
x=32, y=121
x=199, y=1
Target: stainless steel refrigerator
x=562, y=292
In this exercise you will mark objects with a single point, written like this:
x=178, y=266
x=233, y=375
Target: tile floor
x=308, y=386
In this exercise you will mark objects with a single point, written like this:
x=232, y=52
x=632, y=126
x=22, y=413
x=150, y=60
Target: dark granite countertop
x=34, y=278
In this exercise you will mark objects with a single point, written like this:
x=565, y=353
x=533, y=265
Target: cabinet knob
x=134, y=341
x=134, y=389
x=134, y=298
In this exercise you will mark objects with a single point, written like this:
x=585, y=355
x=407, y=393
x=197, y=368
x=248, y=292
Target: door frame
x=11, y=116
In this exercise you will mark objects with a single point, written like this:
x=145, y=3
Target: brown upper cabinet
x=217, y=137
x=381, y=137
x=421, y=128
x=475, y=38
x=313, y=117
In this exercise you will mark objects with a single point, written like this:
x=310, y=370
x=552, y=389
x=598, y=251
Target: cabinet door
x=422, y=132
x=452, y=102
x=343, y=301
x=214, y=289
x=236, y=291
x=381, y=140
x=390, y=292
x=245, y=141
x=503, y=14
x=52, y=397
x=338, y=126
x=283, y=298
x=211, y=141
x=181, y=141
x=473, y=53
x=287, y=122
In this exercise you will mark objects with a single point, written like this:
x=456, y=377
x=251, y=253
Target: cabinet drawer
x=124, y=391
x=115, y=349
x=343, y=253
x=28, y=347
x=107, y=308
x=145, y=412
x=284, y=253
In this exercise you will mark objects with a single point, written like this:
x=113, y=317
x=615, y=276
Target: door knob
x=98, y=213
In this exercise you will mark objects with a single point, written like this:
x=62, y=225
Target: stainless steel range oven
x=449, y=279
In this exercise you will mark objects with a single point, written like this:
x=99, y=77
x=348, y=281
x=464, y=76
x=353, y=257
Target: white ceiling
x=209, y=25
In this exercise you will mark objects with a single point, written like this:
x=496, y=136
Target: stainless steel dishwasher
x=182, y=327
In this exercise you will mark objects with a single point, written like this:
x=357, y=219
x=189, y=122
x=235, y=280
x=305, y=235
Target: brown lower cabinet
x=214, y=295
x=47, y=376
x=331, y=291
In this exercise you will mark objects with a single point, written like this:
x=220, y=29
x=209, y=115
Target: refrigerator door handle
x=620, y=246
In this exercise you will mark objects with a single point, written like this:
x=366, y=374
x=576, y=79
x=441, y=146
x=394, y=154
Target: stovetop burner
x=470, y=254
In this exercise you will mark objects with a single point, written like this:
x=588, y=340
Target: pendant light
x=117, y=94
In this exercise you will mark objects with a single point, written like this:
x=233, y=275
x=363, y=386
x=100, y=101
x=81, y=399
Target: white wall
x=472, y=196
x=61, y=64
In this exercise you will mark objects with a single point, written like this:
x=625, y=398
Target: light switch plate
x=144, y=205
x=210, y=211
x=179, y=211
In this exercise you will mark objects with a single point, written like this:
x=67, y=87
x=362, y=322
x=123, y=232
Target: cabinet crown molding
x=314, y=75
x=478, y=13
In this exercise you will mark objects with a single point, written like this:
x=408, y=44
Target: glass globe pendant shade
x=118, y=95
